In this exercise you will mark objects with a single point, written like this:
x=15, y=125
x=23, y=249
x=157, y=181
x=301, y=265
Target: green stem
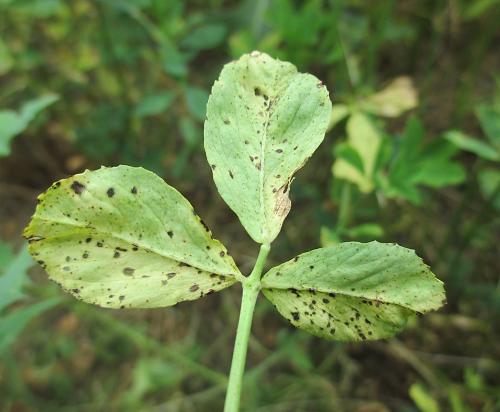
x=251, y=289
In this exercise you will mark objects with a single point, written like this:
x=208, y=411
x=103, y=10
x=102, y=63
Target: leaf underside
x=353, y=291
x=338, y=317
x=121, y=237
x=264, y=120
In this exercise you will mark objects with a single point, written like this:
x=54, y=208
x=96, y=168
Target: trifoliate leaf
x=415, y=164
x=121, y=237
x=353, y=291
x=264, y=120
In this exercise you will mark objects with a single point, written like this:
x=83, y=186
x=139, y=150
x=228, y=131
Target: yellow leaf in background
x=398, y=97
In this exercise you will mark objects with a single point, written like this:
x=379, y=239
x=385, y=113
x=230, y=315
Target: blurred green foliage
x=414, y=153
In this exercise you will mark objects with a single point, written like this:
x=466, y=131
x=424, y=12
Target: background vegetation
x=412, y=157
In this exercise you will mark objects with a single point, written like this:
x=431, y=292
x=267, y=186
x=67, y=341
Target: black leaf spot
x=77, y=187
x=110, y=192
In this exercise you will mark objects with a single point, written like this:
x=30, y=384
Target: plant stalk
x=251, y=289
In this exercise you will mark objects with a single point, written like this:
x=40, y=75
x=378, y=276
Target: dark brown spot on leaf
x=77, y=187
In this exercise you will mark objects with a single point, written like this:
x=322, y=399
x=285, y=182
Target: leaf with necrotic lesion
x=353, y=291
x=121, y=237
x=264, y=120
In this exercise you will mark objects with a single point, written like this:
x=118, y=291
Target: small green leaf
x=349, y=154
x=472, y=145
x=205, y=37
x=264, y=120
x=489, y=184
x=12, y=123
x=13, y=324
x=365, y=230
x=121, y=237
x=489, y=118
x=423, y=399
x=196, y=100
x=364, y=139
x=154, y=104
x=14, y=278
x=6, y=255
x=339, y=113
x=353, y=291
x=35, y=106
x=416, y=164
x=174, y=62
